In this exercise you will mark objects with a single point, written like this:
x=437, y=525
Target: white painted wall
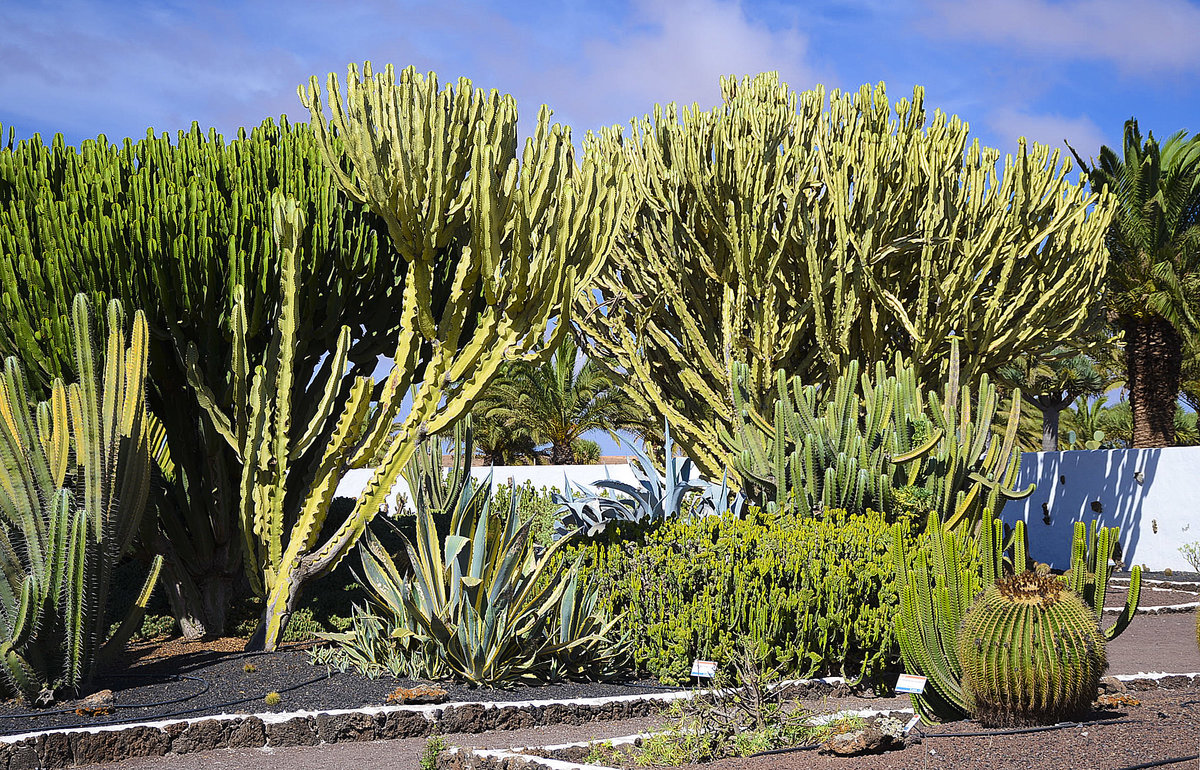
x=1156, y=515
x=541, y=476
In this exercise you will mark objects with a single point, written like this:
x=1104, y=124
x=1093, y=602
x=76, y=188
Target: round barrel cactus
x=1031, y=652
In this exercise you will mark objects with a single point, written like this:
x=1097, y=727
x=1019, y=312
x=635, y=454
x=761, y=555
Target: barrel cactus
x=1031, y=652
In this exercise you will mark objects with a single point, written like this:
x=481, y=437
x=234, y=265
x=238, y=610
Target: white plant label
x=704, y=669
x=910, y=683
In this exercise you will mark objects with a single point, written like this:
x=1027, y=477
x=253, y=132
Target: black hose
x=115, y=706
x=1021, y=730
x=1161, y=762
x=214, y=708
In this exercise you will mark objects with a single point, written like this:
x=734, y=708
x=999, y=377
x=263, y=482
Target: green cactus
x=75, y=473
x=850, y=446
x=1091, y=548
x=1030, y=653
x=804, y=230
x=171, y=225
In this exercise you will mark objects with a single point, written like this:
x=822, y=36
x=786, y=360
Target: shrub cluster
x=815, y=595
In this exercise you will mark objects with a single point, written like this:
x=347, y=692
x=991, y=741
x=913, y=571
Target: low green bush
x=815, y=595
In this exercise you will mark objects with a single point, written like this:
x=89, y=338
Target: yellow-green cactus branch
x=799, y=231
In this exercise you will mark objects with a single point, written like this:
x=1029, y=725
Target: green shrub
x=815, y=595
x=532, y=503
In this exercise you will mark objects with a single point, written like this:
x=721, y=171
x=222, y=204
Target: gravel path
x=394, y=755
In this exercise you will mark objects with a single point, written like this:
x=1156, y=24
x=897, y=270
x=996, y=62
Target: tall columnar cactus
x=171, y=225
x=802, y=231
x=75, y=473
x=852, y=444
x=491, y=246
x=1091, y=549
x=1030, y=652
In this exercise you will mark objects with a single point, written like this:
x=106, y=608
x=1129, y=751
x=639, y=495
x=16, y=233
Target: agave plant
x=657, y=497
x=481, y=603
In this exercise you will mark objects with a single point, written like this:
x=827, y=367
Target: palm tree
x=1154, y=268
x=558, y=401
x=1051, y=386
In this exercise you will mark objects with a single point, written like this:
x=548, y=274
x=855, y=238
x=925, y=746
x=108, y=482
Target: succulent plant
x=1030, y=651
x=656, y=498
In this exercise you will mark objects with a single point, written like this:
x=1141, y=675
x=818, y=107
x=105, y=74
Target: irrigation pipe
x=115, y=706
x=1022, y=730
x=215, y=708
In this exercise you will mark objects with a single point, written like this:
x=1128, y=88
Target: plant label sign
x=910, y=683
x=704, y=669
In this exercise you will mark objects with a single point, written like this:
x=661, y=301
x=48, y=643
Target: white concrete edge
x=1157, y=609
x=1156, y=581
x=1152, y=675
x=276, y=717
x=517, y=752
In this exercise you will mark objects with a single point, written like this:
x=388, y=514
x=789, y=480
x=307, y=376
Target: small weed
x=603, y=753
x=249, y=668
x=273, y=699
x=433, y=749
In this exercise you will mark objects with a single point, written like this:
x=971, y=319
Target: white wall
x=1151, y=494
x=1156, y=516
x=541, y=476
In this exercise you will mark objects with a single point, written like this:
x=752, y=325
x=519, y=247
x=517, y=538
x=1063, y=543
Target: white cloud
x=1080, y=132
x=1147, y=37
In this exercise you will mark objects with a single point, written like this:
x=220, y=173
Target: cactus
x=852, y=445
x=76, y=473
x=1091, y=548
x=1030, y=653
x=171, y=225
x=802, y=231
x=491, y=246
x=656, y=498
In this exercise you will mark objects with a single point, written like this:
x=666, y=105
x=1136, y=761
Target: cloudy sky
x=1046, y=69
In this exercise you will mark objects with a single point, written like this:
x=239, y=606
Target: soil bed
x=1162, y=727
x=186, y=680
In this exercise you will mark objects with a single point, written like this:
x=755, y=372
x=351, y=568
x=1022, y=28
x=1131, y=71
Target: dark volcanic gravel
x=196, y=684
x=1163, y=728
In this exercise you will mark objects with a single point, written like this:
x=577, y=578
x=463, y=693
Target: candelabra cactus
x=1030, y=652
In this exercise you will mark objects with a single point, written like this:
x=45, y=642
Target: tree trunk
x=282, y=600
x=200, y=607
x=1050, y=428
x=1154, y=354
x=561, y=454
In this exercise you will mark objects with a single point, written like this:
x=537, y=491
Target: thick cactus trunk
x=281, y=603
x=200, y=606
x=1154, y=355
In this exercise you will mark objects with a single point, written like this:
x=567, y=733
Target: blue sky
x=1045, y=69
x=1048, y=70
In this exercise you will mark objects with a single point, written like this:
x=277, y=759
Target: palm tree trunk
x=1154, y=355
x=1050, y=428
x=562, y=454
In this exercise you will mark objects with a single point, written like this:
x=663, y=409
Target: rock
x=249, y=734
x=205, y=735
x=97, y=700
x=23, y=756
x=467, y=718
x=402, y=724
x=54, y=750
x=140, y=741
x=868, y=739
x=1110, y=685
x=300, y=731
x=345, y=728
x=840, y=690
x=1174, y=682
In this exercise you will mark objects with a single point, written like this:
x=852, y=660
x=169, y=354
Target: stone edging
x=457, y=758
x=107, y=743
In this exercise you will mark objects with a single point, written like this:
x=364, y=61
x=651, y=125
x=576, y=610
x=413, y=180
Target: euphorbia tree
x=800, y=231
x=495, y=241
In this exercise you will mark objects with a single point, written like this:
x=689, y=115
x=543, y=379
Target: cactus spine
x=802, y=231
x=1030, y=652
x=75, y=473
